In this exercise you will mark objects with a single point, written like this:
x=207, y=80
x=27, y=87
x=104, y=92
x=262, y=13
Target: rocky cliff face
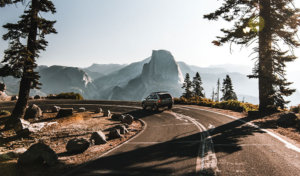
x=160, y=74
x=162, y=67
x=56, y=79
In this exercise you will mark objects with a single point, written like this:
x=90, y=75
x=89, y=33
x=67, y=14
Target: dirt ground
x=56, y=133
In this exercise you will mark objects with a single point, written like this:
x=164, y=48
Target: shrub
x=295, y=109
x=230, y=104
x=4, y=112
x=68, y=95
x=206, y=102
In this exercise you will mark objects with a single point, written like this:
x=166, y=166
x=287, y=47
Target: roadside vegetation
x=233, y=105
x=67, y=95
x=295, y=109
x=193, y=95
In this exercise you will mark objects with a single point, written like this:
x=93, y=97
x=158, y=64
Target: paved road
x=190, y=141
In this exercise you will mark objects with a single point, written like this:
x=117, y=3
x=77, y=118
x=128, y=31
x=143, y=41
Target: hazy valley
x=159, y=72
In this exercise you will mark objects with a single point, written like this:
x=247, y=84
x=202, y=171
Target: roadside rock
x=107, y=113
x=116, y=117
x=64, y=112
x=12, y=154
x=38, y=153
x=33, y=112
x=82, y=109
x=98, y=110
x=287, y=120
x=114, y=133
x=37, y=97
x=15, y=97
x=122, y=128
x=128, y=119
x=98, y=138
x=77, y=145
x=55, y=109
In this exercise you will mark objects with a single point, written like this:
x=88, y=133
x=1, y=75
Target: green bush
x=4, y=112
x=233, y=105
x=68, y=95
x=295, y=109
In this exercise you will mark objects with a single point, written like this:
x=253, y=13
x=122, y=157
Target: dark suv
x=158, y=99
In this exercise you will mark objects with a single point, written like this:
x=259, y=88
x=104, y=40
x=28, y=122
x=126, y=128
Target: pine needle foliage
x=271, y=26
x=26, y=39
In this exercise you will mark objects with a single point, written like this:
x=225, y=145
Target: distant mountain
x=243, y=69
x=56, y=79
x=93, y=75
x=119, y=78
x=135, y=81
x=162, y=73
x=245, y=88
x=98, y=70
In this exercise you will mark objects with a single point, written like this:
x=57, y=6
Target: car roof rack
x=161, y=92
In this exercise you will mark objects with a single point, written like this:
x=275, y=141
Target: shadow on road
x=161, y=158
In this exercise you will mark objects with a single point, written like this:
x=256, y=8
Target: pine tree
x=227, y=90
x=273, y=24
x=3, y=3
x=197, y=85
x=20, y=58
x=187, y=85
x=213, y=94
x=218, y=90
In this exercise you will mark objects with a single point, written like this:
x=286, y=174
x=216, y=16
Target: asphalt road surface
x=190, y=141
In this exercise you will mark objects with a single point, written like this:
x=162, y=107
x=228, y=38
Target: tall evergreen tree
x=274, y=23
x=20, y=58
x=3, y=3
x=218, y=90
x=227, y=90
x=213, y=94
x=197, y=85
x=187, y=86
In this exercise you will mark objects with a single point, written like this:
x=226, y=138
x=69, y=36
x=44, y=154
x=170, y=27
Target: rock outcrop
x=33, y=112
x=77, y=145
x=98, y=138
x=38, y=153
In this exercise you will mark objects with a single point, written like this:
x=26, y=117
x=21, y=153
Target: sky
x=126, y=31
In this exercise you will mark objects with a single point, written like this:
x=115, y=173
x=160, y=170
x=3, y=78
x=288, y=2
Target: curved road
x=191, y=141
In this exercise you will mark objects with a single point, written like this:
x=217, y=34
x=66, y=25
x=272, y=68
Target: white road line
x=178, y=124
x=287, y=144
x=242, y=145
x=206, y=158
x=165, y=142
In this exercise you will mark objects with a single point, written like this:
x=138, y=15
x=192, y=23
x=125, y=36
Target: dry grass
x=80, y=125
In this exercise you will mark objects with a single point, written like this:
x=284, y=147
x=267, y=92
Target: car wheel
x=155, y=108
x=144, y=106
x=170, y=106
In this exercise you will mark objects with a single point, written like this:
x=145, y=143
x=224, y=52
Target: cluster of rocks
x=124, y=118
x=36, y=97
x=41, y=153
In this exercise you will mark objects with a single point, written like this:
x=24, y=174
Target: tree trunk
x=26, y=80
x=266, y=102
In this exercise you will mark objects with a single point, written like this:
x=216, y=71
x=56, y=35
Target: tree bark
x=26, y=80
x=266, y=102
